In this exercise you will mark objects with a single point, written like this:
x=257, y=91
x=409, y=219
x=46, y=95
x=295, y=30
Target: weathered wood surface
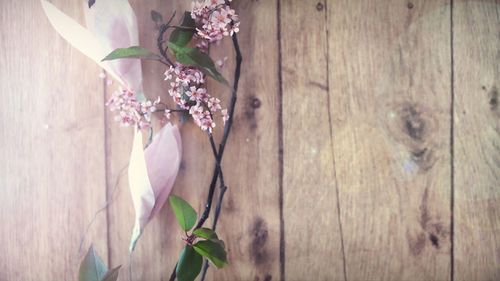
x=52, y=173
x=310, y=206
x=477, y=140
x=389, y=88
x=365, y=145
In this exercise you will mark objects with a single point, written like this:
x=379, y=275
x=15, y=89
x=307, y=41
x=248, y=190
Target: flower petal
x=116, y=28
x=152, y=173
x=140, y=187
x=163, y=158
x=78, y=36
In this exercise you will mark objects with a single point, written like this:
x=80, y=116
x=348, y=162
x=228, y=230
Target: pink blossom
x=214, y=17
x=167, y=113
x=196, y=111
x=131, y=111
x=188, y=87
x=146, y=107
x=207, y=124
x=225, y=115
x=168, y=73
x=214, y=104
x=214, y=20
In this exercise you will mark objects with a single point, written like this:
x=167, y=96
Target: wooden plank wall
x=366, y=145
x=476, y=140
x=389, y=88
x=52, y=173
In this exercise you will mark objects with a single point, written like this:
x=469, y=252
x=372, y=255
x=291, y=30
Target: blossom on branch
x=214, y=18
x=188, y=92
x=131, y=111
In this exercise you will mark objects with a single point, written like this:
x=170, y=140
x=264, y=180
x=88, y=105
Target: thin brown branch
x=218, y=155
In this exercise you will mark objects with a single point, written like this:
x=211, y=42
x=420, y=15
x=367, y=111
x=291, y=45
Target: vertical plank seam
x=331, y=141
x=280, y=145
x=106, y=168
x=496, y=9
x=496, y=2
x=452, y=153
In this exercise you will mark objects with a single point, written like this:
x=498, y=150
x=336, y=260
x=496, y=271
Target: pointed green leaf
x=156, y=17
x=135, y=52
x=185, y=214
x=214, y=251
x=189, y=265
x=192, y=56
x=92, y=268
x=206, y=233
x=181, y=37
x=112, y=274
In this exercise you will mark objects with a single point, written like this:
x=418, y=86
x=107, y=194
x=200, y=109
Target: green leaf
x=181, y=37
x=192, y=56
x=112, y=274
x=141, y=97
x=136, y=52
x=92, y=268
x=189, y=265
x=214, y=251
x=156, y=17
x=206, y=233
x=185, y=214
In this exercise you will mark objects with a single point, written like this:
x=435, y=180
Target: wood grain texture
x=313, y=248
x=477, y=140
x=52, y=170
x=387, y=121
x=389, y=86
x=249, y=221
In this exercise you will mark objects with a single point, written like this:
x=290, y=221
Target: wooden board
x=365, y=145
x=313, y=242
x=476, y=140
x=249, y=222
x=52, y=171
x=389, y=88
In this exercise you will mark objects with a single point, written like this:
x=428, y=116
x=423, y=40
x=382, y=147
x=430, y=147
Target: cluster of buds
x=131, y=111
x=188, y=93
x=214, y=18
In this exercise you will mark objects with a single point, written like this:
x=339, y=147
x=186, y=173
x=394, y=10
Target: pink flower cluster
x=131, y=111
x=189, y=94
x=214, y=20
x=214, y=17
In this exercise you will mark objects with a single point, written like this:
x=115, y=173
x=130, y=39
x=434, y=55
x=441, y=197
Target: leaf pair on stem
x=191, y=260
